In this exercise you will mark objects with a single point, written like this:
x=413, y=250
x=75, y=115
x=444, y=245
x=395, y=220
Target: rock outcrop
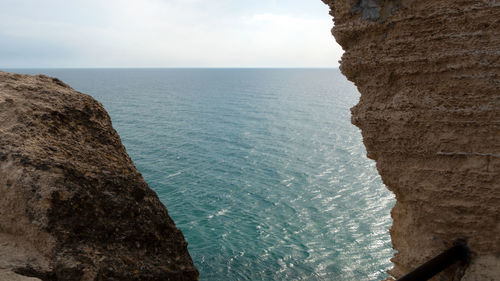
x=429, y=76
x=72, y=204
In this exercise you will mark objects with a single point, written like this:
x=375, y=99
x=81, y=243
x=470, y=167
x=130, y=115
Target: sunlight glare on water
x=260, y=168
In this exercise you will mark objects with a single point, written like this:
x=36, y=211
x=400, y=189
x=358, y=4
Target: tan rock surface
x=72, y=204
x=429, y=76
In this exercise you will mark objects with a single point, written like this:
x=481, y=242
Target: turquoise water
x=260, y=168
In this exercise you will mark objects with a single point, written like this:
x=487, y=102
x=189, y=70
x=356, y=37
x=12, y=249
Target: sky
x=166, y=33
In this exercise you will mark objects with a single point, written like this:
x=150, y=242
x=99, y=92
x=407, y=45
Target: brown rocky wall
x=73, y=207
x=429, y=76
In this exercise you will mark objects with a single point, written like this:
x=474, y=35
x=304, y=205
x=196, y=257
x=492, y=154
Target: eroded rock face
x=429, y=76
x=72, y=204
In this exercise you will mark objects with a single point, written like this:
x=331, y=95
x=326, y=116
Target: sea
x=261, y=169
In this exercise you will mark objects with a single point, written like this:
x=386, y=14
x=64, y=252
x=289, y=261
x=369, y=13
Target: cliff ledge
x=73, y=206
x=429, y=76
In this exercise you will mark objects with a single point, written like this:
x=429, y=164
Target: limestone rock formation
x=429, y=76
x=72, y=204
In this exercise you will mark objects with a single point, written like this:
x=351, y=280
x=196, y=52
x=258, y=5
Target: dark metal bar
x=459, y=252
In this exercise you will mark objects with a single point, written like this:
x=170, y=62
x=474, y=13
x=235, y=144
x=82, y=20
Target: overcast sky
x=166, y=33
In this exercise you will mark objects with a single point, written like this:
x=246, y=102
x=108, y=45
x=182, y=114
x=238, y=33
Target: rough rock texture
x=72, y=204
x=7, y=275
x=429, y=76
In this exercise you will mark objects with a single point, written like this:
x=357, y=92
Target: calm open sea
x=260, y=168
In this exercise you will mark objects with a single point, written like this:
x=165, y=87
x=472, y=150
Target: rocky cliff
x=429, y=76
x=72, y=204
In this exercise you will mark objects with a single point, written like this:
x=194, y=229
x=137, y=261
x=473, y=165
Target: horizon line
x=181, y=67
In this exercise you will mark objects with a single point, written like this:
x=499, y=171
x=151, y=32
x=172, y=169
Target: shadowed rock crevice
x=376, y=10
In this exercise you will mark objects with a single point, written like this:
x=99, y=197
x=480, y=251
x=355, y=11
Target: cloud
x=162, y=33
x=294, y=39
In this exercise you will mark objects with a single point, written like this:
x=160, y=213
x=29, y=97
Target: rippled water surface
x=260, y=168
